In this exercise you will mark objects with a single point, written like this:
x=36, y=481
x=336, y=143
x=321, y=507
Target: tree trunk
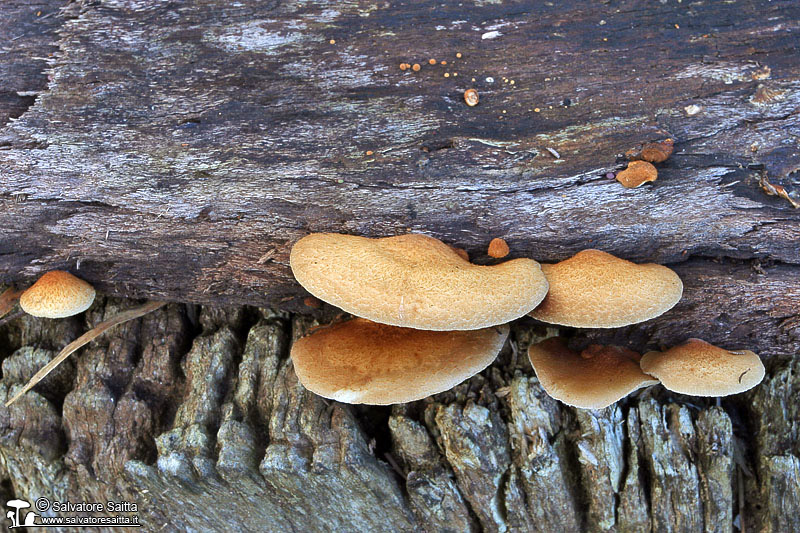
x=176, y=151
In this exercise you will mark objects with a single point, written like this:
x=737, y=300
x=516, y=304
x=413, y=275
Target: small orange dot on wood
x=444, y=62
x=403, y=66
x=369, y=152
x=471, y=97
x=498, y=248
x=415, y=67
x=458, y=55
x=432, y=61
x=312, y=302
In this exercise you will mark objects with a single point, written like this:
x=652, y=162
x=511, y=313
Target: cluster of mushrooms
x=428, y=319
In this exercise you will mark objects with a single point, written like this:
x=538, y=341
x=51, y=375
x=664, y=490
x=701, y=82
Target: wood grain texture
x=27, y=45
x=179, y=143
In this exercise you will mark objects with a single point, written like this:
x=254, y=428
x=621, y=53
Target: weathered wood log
x=177, y=150
x=178, y=147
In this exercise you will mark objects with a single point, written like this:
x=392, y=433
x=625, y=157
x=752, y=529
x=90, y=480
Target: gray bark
x=204, y=424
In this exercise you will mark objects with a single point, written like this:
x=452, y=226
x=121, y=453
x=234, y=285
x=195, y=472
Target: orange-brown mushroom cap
x=592, y=379
x=415, y=281
x=594, y=289
x=57, y=294
x=359, y=361
x=498, y=248
x=658, y=152
x=702, y=369
x=637, y=173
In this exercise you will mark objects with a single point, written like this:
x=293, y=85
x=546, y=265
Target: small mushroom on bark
x=592, y=379
x=594, y=289
x=637, y=173
x=359, y=361
x=57, y=294
x=653, y=152
x=702, y=369
x=415, y=281
x=498, y=248
x=658, y=152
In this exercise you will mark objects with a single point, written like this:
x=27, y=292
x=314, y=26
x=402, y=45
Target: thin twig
x=86, y=338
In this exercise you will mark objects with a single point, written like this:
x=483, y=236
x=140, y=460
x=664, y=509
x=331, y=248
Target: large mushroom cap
x=594, y=289
x=359, y=361
x=701, y=369
x=57, y=294
x=592, y=379
x=415, y=281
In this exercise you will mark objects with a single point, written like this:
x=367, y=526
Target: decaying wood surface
x=176, y=150
x=180, y=148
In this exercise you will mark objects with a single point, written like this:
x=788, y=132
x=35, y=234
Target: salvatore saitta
x=95, y=507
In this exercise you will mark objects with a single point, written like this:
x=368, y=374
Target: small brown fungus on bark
x=57, y=294
x=658, y=152
x=637, y=173
x=312, y=302
x=471, y=97
x=498, y=248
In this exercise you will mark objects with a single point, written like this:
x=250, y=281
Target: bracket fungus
x=359, y=361
x=415, y=281
x=592, y=379
x=594, y=289
x=637, y=173
x=57, y=294
x=702, y=369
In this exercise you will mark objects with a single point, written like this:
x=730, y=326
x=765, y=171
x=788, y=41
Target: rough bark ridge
x=197, y=416
x=176, y=150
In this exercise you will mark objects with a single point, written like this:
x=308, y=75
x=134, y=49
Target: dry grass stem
x=84, y=339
